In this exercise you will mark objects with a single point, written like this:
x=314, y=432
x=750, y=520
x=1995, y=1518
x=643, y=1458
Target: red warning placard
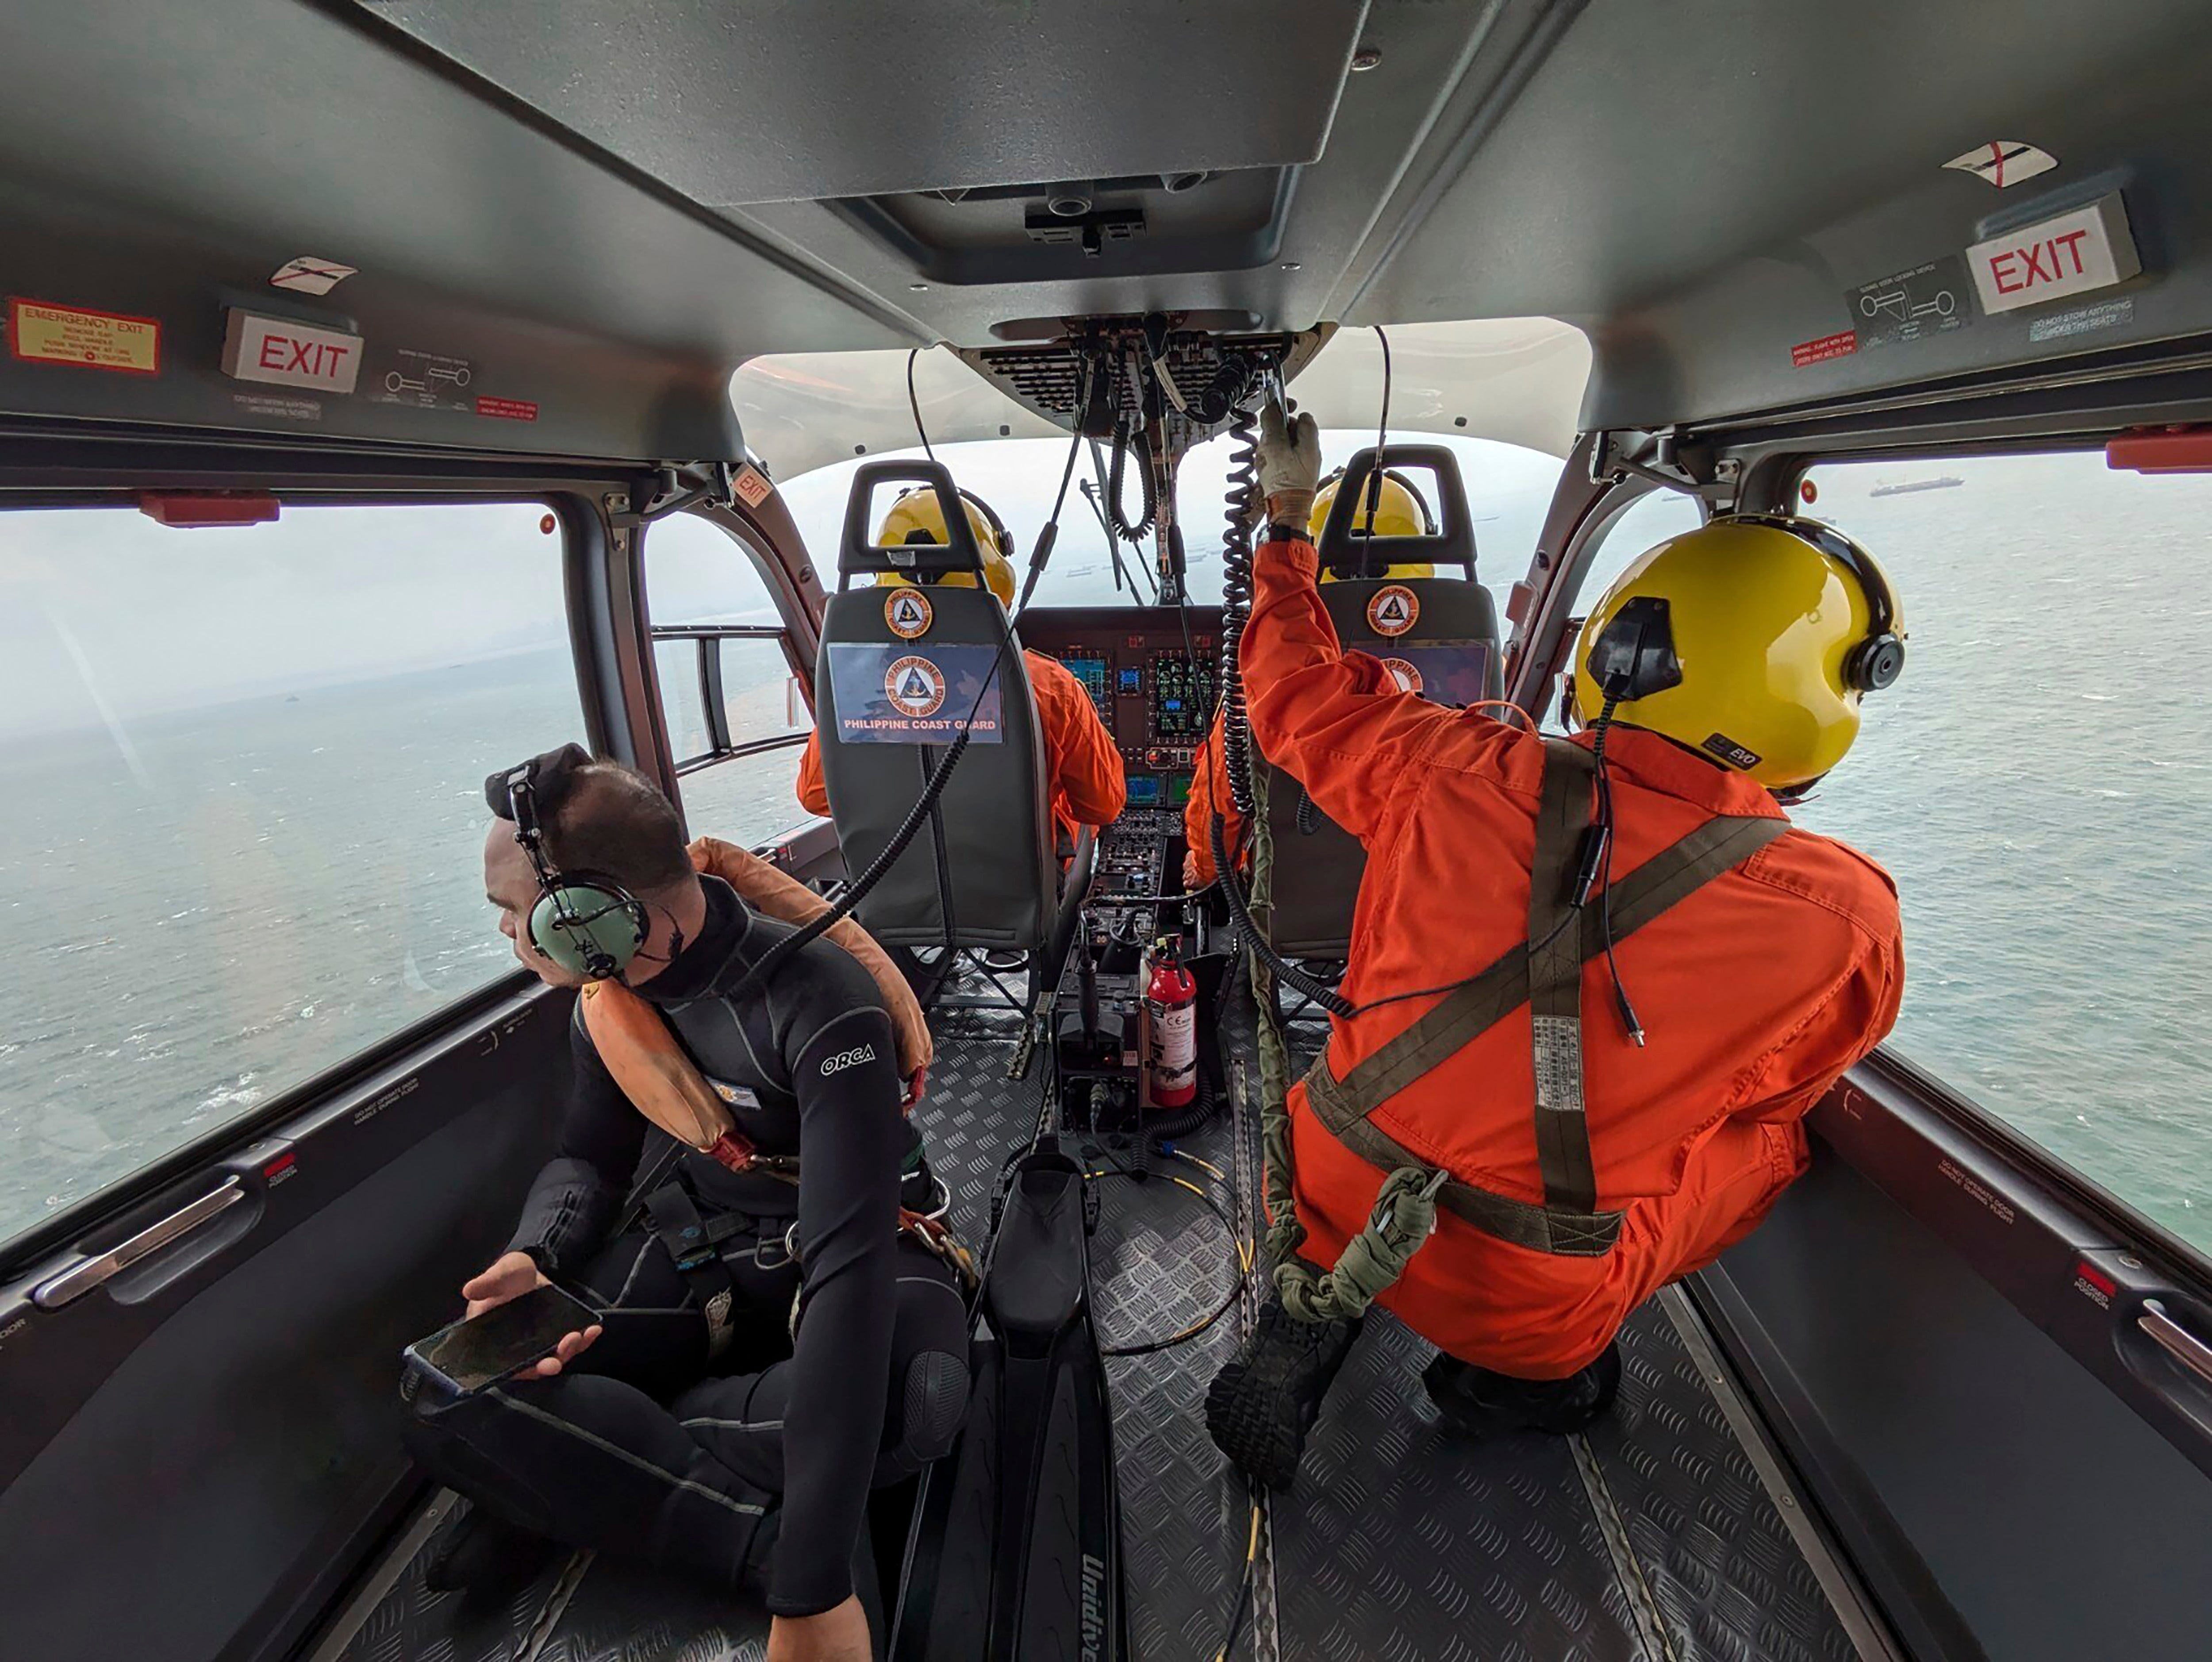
x=1828, y=346
x=507, y=409
x=38, y=333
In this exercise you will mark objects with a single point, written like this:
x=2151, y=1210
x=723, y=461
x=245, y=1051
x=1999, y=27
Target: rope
x=1405, y=1212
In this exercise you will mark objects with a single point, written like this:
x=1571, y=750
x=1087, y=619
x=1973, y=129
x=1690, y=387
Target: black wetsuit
x=639, y=1448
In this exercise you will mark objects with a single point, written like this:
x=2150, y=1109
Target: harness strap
x=1564, y=1224
x=691, y=1244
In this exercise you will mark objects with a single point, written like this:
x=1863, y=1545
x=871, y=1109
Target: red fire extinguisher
x=1171, y=1007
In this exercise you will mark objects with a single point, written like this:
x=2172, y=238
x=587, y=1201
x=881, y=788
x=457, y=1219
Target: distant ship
x=1942, y=484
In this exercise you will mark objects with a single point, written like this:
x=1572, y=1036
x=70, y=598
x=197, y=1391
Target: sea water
x=200, y=913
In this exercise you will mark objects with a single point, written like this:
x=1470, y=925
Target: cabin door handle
x=80, y=1278
x=2177, y=1341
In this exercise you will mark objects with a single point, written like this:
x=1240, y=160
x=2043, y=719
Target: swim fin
x=1016, y=1549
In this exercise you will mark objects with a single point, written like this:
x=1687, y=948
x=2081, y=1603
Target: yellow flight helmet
x=918, y=517
x=1399, y=511
x=1751, y=640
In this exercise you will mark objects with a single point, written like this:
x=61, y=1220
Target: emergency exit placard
x=2089, y=248
x=38, y=333
x=284, y=353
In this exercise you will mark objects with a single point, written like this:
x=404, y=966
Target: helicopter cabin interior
x=394, y=387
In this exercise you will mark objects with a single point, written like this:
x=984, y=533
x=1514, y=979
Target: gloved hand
x=1290, y=466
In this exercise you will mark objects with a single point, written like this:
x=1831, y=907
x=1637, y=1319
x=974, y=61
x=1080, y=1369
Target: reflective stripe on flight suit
x=1082, y=769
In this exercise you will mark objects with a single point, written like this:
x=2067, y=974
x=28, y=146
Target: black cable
x=1382, y=433
x=1236, y=726
x=1237, y=1611
x=1123, y=441
x=913, y=403
x=1603, y=725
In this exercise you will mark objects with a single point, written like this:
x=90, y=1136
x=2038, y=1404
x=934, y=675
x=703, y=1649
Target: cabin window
x=243, y=774
x=1651, y=520
x=2039, y=784
x=721, y=655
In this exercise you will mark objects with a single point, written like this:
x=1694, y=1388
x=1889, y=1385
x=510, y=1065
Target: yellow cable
x=1251, y=1553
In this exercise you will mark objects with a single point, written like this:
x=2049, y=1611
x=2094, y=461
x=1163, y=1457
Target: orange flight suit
x=1209, y=788
x=1755, y=992
x=1082, y=768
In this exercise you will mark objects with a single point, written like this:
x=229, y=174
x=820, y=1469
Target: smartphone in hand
x=471, y=1356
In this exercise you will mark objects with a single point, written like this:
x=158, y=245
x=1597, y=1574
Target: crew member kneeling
x=1084, y=781
x=691, y=1429
x=1654, y=975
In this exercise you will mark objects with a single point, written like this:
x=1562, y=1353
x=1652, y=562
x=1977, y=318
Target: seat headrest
x=1363, y=557
x=859, y=556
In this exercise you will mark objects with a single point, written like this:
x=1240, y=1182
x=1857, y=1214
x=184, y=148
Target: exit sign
x=284, y=353
x=2089, y=248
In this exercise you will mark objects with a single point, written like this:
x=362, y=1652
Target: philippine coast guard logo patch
x=914, y=686
x=1394, y=610
x=907, y=614
x=1407, y=678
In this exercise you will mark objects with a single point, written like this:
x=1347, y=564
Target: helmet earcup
x=608, y=928
x=1874, y=663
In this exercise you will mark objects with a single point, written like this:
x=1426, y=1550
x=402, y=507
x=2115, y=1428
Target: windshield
x=1507, y=489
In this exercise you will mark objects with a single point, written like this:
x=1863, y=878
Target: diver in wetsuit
x=689, y=1430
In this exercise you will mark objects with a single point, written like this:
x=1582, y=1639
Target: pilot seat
x=902, y=671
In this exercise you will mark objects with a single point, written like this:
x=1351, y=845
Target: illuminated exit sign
x=2089, y=248
x=284, y=353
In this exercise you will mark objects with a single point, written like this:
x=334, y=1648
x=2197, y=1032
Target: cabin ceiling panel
x=774, y=100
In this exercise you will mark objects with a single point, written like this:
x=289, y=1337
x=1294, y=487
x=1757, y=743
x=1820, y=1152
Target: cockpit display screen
x=1144, y=790
x=1182, y=696
x=1091, y=672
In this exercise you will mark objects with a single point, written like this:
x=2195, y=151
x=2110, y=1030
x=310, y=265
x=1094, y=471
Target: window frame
x=578, y=499
x=721, y=746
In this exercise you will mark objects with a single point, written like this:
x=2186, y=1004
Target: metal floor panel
x=411, y=1623
x=1397, y=1542
x=1728, y=1578
x=1160, y=1262
x=624, y=1614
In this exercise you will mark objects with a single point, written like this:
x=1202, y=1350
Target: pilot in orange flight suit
x=1729, y=668
x=1083, y=769
x=1396, y=512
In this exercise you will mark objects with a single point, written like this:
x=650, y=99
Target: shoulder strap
x=1478, y=1004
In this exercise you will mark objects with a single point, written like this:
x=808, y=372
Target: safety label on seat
x=907, y=614
x=1394, y=610
x=886, y=695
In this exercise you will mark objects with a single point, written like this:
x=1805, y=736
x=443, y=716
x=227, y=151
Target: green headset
x=582, y=922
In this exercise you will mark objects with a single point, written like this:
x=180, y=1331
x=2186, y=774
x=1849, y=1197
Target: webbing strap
x=689, y=1242
x=1343, y=1106
x=1555, y=980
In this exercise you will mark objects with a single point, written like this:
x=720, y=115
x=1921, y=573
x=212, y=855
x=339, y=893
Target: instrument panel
x=1151, y=674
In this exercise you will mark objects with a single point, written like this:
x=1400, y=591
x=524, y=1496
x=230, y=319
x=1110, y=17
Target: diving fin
x=1016, y=1549
x=1262, y=1405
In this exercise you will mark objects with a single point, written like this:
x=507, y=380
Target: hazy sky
x=105, y=616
